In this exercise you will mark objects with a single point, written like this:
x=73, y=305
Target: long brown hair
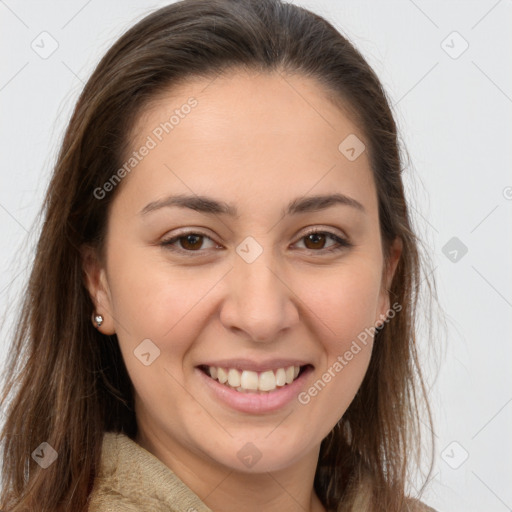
x=67, y=383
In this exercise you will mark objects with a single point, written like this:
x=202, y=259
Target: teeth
x=233, y=378
x=222, y=376
x=249, y=381
x=267, y=381
x=281, y=377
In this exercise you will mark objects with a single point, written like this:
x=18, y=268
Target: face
x=248, y=274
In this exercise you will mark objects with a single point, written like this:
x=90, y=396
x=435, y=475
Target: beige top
x=131, y=479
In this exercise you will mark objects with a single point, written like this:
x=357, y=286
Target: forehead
x=248, y=134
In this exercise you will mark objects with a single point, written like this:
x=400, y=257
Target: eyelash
x=342, y=243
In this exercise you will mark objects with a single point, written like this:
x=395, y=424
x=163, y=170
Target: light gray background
x=455, y=118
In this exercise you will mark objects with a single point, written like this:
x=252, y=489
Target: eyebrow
x=209, y=205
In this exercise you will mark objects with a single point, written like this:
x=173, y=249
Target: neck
x=225, y=490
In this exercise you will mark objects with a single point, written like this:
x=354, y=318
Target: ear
x=96, y=282
x=395, y=251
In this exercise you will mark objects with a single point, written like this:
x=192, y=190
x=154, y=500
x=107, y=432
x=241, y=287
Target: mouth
x=255, y=382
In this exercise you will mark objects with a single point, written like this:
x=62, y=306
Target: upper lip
x=255, y=366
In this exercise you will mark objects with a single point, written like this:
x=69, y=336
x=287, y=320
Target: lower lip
x=256, y=403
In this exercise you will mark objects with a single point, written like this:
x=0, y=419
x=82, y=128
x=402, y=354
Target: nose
x=259, y=301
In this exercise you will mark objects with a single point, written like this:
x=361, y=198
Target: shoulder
x=131, y=479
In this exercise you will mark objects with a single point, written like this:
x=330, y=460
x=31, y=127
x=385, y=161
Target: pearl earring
x=98, y=319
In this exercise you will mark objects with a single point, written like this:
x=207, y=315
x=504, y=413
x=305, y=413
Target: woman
x=221, y=312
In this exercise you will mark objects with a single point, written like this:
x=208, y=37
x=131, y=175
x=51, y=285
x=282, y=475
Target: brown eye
x=191, y=242
x=315, y=241
x=318, y=241
x=188, y=242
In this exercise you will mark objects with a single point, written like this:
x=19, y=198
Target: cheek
x=345, y=300
x=150, y=297
x=164, y=311
x=168, y=306
x=345, y=307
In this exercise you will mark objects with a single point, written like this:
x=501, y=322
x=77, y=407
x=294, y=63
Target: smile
x=248, y=381
x=254, y=391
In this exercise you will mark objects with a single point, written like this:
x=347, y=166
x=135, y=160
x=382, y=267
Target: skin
x=256, y=141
